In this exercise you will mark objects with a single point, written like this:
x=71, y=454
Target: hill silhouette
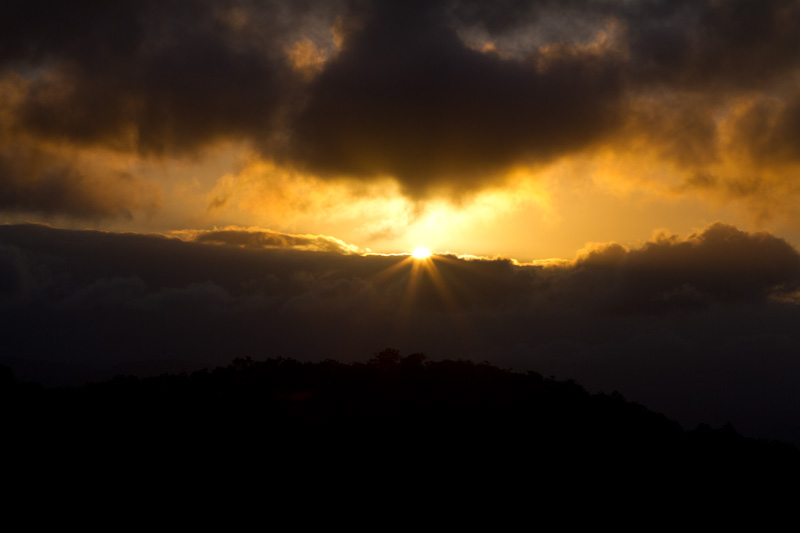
x=454, y=423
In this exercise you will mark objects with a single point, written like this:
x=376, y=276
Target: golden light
x=421, y=265
x=421, y=253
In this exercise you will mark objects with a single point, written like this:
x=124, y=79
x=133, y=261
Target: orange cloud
x=260, y=238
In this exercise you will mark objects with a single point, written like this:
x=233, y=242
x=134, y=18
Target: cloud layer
x=440, y=96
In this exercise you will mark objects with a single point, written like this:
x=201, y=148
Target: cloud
x=719, y=265
x=442, y=97
x=450, y=99
x=714, y=45
x=41, y=181
x=147, y=76
x=257, y=238
x=767, y=128
x=407, y=98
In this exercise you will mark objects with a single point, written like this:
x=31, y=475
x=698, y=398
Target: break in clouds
x=441, y=96
x=702, y=328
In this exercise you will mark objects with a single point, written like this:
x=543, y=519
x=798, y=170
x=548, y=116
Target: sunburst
x=421, y=252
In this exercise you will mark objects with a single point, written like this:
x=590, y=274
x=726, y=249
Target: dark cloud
x=413, y=97
x=149, y=76
x=406, y=98
x=671, y=44
x=720, y=45
x=442, y=96
x=703, y=327
x=720, y=265
x=270, y=239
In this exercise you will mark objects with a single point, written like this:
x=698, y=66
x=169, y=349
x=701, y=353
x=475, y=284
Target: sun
x=421, y=253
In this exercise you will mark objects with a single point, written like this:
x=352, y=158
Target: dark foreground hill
x=445, y=426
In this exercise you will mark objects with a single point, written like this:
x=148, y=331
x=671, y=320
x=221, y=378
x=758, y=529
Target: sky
x=609, y=188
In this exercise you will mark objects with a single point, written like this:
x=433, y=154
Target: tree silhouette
x=386, y=359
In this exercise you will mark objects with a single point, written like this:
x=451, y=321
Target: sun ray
x=440, y=285
x=424, y=281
